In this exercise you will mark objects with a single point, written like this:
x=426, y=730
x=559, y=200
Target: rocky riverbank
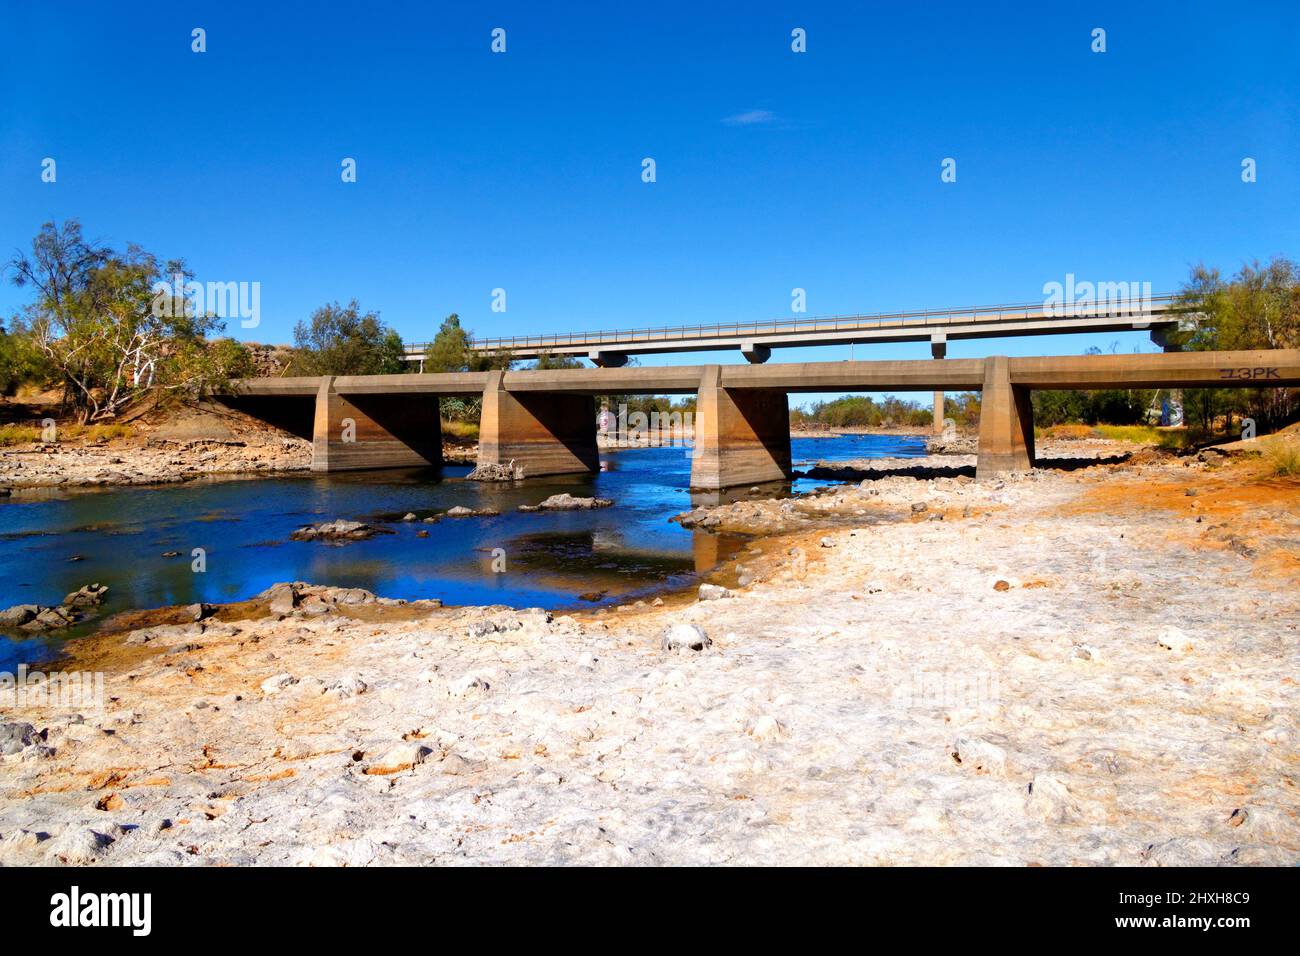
x=1093, y=666
x=171, y=445
x=153, y=461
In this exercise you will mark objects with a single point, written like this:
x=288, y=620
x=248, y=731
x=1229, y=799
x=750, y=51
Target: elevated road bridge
x=756, y=340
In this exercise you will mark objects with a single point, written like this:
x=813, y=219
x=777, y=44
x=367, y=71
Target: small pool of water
x=54, y=541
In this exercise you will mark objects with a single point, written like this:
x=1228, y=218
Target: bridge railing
x=826, y=323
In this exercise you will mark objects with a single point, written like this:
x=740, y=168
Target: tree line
x=862, y=411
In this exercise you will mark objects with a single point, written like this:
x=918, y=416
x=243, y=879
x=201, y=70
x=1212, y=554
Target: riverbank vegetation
x=342, y=340
x=19, y=434
x=100, y=329
x=1283, y=455
x=862, y=411
x=1136, y=434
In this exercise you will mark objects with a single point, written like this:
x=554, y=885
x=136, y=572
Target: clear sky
x=775, y=169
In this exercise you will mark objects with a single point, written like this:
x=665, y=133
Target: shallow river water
x=52, y=542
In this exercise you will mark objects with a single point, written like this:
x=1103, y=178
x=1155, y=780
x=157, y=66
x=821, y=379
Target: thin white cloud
x=750, y=118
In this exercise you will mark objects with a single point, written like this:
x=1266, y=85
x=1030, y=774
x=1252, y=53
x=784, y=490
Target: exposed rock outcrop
x=567, y=502
x=339, y=530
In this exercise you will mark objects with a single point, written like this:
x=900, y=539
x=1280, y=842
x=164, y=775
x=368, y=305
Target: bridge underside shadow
x=353, y=432
x=295, y=414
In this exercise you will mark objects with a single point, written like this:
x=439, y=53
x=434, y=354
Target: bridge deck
x=976, y=322
x=1160, y=370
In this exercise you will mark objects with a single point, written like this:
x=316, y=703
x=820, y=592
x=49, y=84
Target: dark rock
x=198, y=612
x=283, y=598
x=460, y=511
x=51, y=619
x=567, y=502
x=91, y=595
x=18, y=615
x=17, y=737
x=335, y=531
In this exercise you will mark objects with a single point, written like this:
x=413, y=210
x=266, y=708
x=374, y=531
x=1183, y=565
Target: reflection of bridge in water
x=544, y=421
x=603, y=561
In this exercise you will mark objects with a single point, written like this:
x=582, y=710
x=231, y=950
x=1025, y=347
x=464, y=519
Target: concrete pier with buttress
x=543, y=422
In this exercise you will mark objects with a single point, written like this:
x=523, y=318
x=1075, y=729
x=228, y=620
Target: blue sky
x=775, y=170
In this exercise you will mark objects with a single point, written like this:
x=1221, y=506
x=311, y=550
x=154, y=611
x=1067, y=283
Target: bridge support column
x=374, y=431
x=938, y=350
x=742, y=435
x=543, y=433
x=1006, y=422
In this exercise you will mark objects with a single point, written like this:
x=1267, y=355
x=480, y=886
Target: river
x=54, y=541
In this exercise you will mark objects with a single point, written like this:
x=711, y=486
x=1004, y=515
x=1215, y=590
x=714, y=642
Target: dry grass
x=27, y=434
x=95, y=432
x=18, y=434
x=1070, y=431
x=1283, y=455
x=460, y=429
x=1136, y=434
x=1146, y=435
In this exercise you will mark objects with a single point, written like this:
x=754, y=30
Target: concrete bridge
x=545, y=421
x=755, y=340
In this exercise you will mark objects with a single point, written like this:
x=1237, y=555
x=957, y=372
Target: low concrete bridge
x=545, y=421
x=755, y=340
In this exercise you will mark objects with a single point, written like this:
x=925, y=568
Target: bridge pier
x=543, y=433
x=742, y=435
x=353, y=432
x=938, y=350
x=1006, y=422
